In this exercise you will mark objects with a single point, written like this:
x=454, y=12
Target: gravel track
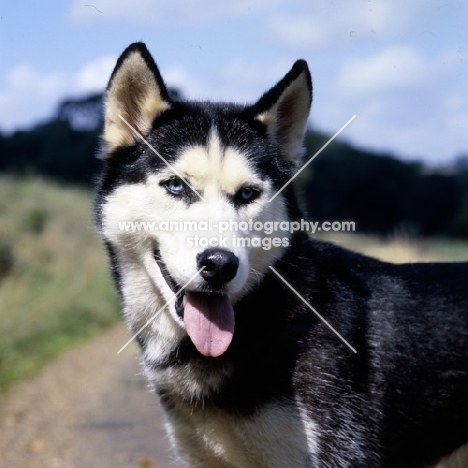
x=90, y=408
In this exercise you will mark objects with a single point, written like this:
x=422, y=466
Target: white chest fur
x=276, y=436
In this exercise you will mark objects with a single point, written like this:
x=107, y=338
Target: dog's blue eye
x=246, y=195
x=175, y=186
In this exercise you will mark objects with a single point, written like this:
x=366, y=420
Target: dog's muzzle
x=208, y=314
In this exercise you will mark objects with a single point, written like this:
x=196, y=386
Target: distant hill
x=379, y=192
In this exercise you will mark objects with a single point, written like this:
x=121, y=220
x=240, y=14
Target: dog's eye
x=175, y=186
x=246, y=195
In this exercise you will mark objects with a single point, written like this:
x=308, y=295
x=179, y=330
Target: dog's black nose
x=220, y=266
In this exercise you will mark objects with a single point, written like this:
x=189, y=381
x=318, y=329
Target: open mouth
x=173, y=286
x=208, y=316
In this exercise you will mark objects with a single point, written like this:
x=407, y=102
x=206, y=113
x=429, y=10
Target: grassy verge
x=403, y=249
x=55, y=289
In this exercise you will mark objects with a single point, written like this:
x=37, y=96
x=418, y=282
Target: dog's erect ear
x=284, y=109
x=135, y=92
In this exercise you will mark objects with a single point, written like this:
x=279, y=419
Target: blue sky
x=400, y=65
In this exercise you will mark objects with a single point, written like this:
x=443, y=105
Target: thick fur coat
x=247, y=375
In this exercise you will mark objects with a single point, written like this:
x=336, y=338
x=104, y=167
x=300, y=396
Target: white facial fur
x=216, y=173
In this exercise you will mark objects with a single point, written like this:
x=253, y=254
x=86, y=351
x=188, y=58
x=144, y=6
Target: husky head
x=185, y=195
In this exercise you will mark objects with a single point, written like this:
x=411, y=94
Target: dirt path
x=91, y=408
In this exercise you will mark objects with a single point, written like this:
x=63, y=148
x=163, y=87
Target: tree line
x=379, y=192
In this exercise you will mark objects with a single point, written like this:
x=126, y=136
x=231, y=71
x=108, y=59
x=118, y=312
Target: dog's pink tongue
x=209, y=320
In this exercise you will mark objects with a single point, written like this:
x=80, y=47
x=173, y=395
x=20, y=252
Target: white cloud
x=297, y=31
x=162, y=12
x=412, y=105
x=95, y=75
x=426, y=132
x=238, y=81
x=325, y=24
x=191, y=87
x=394, y=67
x=247, y=81
x=28, y=94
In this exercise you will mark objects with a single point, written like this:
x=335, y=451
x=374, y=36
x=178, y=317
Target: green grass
x=55, y=289
x=403, y=249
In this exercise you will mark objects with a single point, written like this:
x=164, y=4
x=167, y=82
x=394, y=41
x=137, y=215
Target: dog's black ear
x=137, y=93
x=284, y=109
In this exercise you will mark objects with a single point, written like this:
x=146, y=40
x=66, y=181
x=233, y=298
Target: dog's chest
x=276, y=436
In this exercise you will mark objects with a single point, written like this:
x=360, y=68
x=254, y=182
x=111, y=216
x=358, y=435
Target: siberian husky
x=247, y=374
